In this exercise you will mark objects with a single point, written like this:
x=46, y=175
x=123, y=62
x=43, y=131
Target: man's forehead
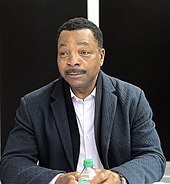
x=82, y=42
x=78, y=37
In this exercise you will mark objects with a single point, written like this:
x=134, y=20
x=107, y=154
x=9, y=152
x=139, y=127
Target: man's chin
x=75, y=81
x=76, y=86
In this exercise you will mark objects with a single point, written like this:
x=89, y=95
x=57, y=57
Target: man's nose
x=73, y=60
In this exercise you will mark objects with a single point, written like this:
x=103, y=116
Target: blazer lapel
x=60, y=114
x=108, y=113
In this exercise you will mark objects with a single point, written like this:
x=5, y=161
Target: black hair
x=82, y=23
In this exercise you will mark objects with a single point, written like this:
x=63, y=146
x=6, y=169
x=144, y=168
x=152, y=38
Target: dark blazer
x=129, y=142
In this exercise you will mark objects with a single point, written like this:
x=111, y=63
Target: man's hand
x=68, y=178
x=106, y=177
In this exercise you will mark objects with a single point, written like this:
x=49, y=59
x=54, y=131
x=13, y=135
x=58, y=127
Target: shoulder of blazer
x=119, y=87
x=44, y=92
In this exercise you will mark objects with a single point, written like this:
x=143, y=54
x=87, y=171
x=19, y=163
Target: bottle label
x=84, y=182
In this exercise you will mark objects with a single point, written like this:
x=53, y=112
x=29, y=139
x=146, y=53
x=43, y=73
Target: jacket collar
x=109, y=104
x=60, y=114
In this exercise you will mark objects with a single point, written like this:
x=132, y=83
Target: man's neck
x=82, y=94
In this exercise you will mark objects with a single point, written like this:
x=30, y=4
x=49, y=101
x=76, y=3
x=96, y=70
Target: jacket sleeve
x=147, y=163
x=19, y=161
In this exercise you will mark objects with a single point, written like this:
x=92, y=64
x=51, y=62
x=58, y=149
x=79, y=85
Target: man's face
x=79, y=58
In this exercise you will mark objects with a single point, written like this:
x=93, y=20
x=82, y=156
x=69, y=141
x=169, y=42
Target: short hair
x=82, y=23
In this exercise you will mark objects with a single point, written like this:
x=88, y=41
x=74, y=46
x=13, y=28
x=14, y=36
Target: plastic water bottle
x=87, y=173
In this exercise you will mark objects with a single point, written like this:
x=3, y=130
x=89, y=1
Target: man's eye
x=84, y=53
x=63, y=54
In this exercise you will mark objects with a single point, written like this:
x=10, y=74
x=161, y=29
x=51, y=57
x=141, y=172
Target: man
x=85, y=113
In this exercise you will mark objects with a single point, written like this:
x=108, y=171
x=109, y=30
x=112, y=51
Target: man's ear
x=102, y=55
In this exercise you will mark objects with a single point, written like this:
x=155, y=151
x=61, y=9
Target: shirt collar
x=92, y=94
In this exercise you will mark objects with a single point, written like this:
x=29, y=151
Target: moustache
x=75, y=71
